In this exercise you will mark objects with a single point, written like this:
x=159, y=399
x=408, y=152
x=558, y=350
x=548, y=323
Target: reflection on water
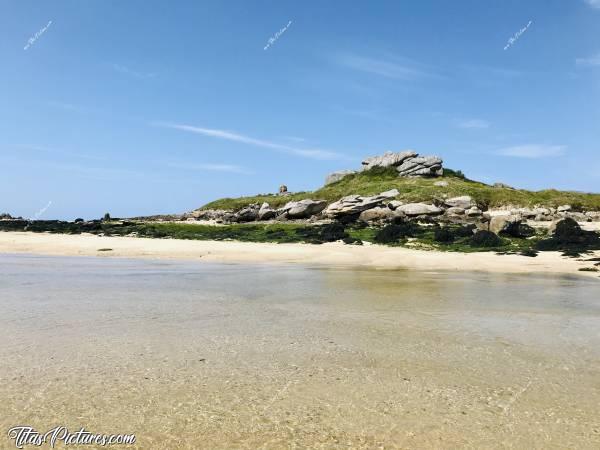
x=196, y=355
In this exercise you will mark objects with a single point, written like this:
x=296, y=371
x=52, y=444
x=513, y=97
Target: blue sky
x=147, y=107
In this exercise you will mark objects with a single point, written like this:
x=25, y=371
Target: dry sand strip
x=331, y=254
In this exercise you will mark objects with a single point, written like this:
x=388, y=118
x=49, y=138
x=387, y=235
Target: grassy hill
x=379, y=180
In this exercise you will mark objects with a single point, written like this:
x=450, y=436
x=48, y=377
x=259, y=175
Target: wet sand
x=192, y=355
x=334, y=254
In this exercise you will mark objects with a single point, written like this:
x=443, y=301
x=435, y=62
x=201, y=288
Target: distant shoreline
x=329, y=254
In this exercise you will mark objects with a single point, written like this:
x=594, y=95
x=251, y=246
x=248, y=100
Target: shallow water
x=196, y=355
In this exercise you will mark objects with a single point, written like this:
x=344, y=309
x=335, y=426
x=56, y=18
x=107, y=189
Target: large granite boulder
x=421, y=166
x=474, y=211
x=266, y=212
x=379, y=214
x=302, y=209
x=247, y=214
x=420, y=209
x=499, y=224
x=355, y=204
x=388, y=159
x=337, y=176
x=407, y=163
x=455, y=211
x=464, y=202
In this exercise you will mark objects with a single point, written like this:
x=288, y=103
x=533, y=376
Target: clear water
x=216, y=356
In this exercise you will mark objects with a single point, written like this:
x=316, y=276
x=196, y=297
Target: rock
x=218, y=215
x=526, y=213
x=474, y=211
x=593, y=215
x=355, y=204
x=379, y=214
x=455, y=211
x=441, y=183
x=563, y=208
x=484, y=238
x=394, y=204
x=337, y=176
x=517, y=230
x=500, y=223
x=542, y=211
x=266, y=212
x=420, y=209
x=302, y=209
x=388, y=159
x=464, y=202
x=247, y=214
x=421, y=166
x=407, y=163
x=579, y=217
x=503, y=186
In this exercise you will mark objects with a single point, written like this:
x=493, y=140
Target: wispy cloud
x=211, y=167
x=389, y=67
x=533, y=151
x=127, y=71
x=231, y=136
x=473, y=123
x=295, y=138
x=593, y=3
x=589, y=62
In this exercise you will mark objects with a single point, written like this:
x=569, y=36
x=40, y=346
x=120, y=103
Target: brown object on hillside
x=283, y=189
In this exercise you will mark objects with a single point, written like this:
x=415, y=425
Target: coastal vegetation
x=421, y=189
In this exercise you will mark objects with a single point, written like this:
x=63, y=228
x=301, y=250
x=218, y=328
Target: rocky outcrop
x=424, y=166
x=503, y=186
x=302, y=209
x=337, y=176
x=217, y=215
x=355, y=204
x=388, y=159
x=407, y=163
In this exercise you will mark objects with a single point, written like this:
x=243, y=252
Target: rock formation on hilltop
x=408, y=164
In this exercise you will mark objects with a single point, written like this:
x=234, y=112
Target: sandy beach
x=331, y=254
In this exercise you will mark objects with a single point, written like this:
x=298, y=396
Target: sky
x=144, y=107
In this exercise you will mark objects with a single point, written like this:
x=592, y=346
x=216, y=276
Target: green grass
x=422, y=190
